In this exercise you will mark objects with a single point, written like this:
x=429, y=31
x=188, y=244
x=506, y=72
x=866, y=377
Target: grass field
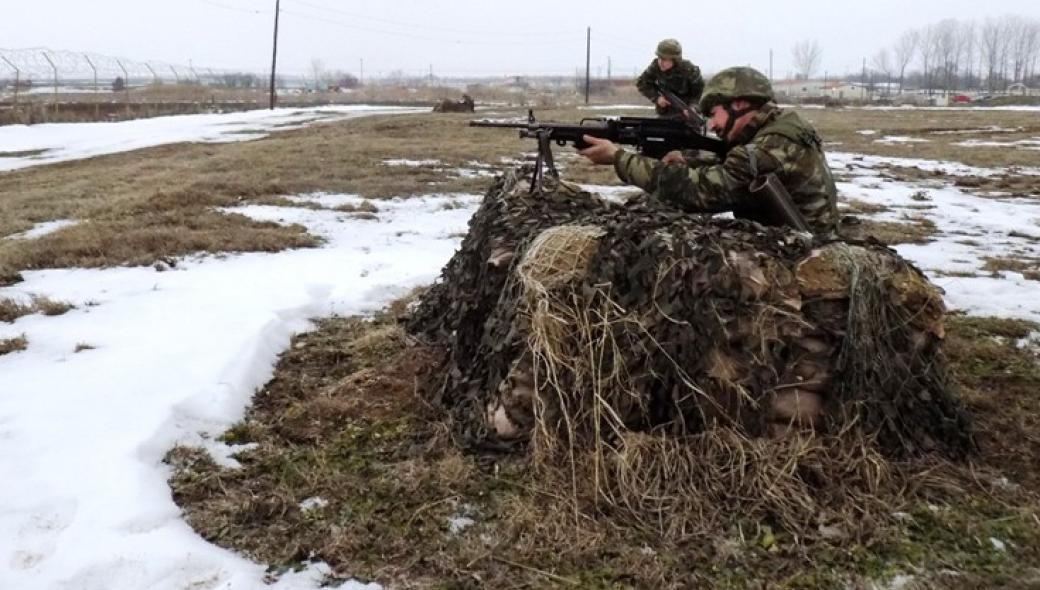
x=340, y=420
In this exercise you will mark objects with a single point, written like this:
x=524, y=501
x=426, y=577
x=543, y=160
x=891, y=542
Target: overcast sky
x=472, y=37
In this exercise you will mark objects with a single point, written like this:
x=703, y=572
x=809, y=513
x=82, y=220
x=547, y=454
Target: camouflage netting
x=642, y=349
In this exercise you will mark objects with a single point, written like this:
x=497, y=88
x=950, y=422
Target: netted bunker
x=640, y=348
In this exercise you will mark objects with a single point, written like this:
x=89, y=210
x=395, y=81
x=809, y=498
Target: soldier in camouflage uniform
x=671, y=72
x=761, y=138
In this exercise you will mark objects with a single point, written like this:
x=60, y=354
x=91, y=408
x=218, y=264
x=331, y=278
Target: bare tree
x=945, y=42
x=883, y=66
x=807, y=56
x=966, y=45
x=1022, y=46
x=927, y=51
x=989, y=47
x=317, y=69
x=904, y=51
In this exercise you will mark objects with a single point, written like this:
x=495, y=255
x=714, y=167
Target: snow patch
x=74, y=141
x=42, y=229
x=179, y=355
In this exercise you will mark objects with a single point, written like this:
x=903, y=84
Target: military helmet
x=669, y=49
x=735, y=83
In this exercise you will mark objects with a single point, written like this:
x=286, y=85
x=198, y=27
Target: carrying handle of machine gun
x=779, y=201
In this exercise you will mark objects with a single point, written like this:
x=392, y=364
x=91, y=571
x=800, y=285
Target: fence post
x=126, y=87
x=55, y=68
x=17, y=83
x=157, y=110
x=97, y=105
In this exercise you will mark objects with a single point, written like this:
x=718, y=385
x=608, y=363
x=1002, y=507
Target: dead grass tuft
x=12, y=309
x=143, y=237
x=1028, y=267
x=917, y=230
x=9, y=345
x=341, y=421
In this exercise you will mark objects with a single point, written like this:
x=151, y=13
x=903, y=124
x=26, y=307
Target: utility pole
x=588, y=58
x=863, y=79
x=770, y=66
x=608, y=69
x=361, y=74
x=274, y=52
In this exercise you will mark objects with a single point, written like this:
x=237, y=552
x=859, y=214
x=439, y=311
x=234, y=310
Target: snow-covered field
x=175, y=356
x=58, y=142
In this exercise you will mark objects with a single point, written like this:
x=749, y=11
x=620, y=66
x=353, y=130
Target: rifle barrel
x=498, y=124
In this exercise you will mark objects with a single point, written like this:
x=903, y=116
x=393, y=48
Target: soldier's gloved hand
x=663, y=102
x=600, y=151
x=674, y=157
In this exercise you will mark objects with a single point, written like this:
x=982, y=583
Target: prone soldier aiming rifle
x=652, y=137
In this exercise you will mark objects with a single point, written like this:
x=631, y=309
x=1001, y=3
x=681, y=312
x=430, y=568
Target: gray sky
x=469, y=37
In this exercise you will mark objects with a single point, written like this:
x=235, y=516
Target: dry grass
x=1028, y=266
x=9, y=345
x=145, y=205
x=341, y=421
x=917, y=230
x=12, y=309
x=156, y=203
x=839, y=128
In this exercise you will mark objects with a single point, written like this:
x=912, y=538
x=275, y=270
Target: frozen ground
x=969, y=229
x=175, y=356
x=22, y=146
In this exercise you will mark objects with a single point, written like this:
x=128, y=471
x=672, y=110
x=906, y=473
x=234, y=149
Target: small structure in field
x=466, y=105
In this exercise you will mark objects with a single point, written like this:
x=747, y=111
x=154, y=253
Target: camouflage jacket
x=775, y=140
x=684, y=79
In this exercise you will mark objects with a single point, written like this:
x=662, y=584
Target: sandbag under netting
x=662, y=356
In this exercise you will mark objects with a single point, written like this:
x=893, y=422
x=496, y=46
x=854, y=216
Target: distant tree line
x=988, y=56
x=949, y=55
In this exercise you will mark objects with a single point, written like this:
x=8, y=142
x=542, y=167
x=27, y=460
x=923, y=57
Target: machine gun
x=652, y=137
x=685, y=112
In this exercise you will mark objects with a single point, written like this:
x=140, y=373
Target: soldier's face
x=719, y=118
x=665, y=63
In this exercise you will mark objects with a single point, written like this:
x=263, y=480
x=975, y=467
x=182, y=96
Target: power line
x=427, y=26
x=468, y=42
x=235, y=8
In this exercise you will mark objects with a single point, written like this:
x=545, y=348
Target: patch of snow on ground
x=1026, y=144
x=867, y=132
x=615, y=107
x=330, y=201
x=178, y=356
x=900, y=139
x=42, y=229
x=969, y=229
x=74, y=141
x=853, y=161
x=410, y=163
x=986, y=129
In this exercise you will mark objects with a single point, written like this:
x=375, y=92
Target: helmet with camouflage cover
x=669, y=49
x=735, y=83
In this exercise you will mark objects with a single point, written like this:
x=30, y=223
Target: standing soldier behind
x=671, y=72
x=761, y=138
